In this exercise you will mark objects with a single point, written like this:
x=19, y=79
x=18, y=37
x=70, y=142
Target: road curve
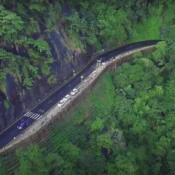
x=37, y=112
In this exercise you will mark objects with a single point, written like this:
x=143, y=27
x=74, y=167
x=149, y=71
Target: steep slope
x=38, y=68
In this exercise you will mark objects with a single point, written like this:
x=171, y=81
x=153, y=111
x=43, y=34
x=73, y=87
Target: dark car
x=23, y=123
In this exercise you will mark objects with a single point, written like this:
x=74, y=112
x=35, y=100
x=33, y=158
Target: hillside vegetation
x=126, y=125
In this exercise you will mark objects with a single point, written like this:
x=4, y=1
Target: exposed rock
x=77, y=52
x=66, y=61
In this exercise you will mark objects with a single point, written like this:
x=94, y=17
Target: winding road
x=37, y=112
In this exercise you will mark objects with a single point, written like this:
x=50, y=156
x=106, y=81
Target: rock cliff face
x=68, y=60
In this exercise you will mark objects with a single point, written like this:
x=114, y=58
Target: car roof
x=62, y=100
x=23, y=121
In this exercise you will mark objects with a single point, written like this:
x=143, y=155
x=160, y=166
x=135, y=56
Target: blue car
x=23, y=123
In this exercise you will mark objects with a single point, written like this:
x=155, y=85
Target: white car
x=67, y=97
x=103, y=64
x=111, y=59
x=94, y=72
x=74, y=91
x=99, y=61
x=85, y=80
x=61, y=103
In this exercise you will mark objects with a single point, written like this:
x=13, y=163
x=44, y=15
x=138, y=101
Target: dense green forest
x=130, y=113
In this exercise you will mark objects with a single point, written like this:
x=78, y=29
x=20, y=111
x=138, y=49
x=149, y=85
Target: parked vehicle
x=103, y=64
x=61, y=103
x=94, y=72
x=67, y=97
x=74, y=91
x=99, y=61
x=85, y=80
x=112, y=58
x=23, y=123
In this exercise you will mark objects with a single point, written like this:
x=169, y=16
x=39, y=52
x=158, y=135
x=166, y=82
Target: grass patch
x=6, y=104
x=148, y=30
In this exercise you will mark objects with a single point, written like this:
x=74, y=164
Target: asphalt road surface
x=37, y=112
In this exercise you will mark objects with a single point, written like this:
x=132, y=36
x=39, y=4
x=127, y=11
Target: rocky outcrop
x=68, y=58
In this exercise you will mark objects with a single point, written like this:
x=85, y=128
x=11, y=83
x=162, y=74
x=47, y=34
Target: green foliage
x=79, y=119
x=147, y=30
x=2, y=75
x=28, y=82
x=162, y=145
x=16, y=38
x=97, y=125
x=70, y=152
x=117, y=22
x=33, y=70
x=171, y=161
x=75, y=22
x=6, y=104
x=10, y=24
x=2, y=166
x=137, y=54
x=38, y=5
x=45, y=69
x=51, y=80
x=55, y=15
x=33, y=27
x=111, y=25
x=122, y=165
x=30, y=161
x=161, y=51
x=104, y=141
